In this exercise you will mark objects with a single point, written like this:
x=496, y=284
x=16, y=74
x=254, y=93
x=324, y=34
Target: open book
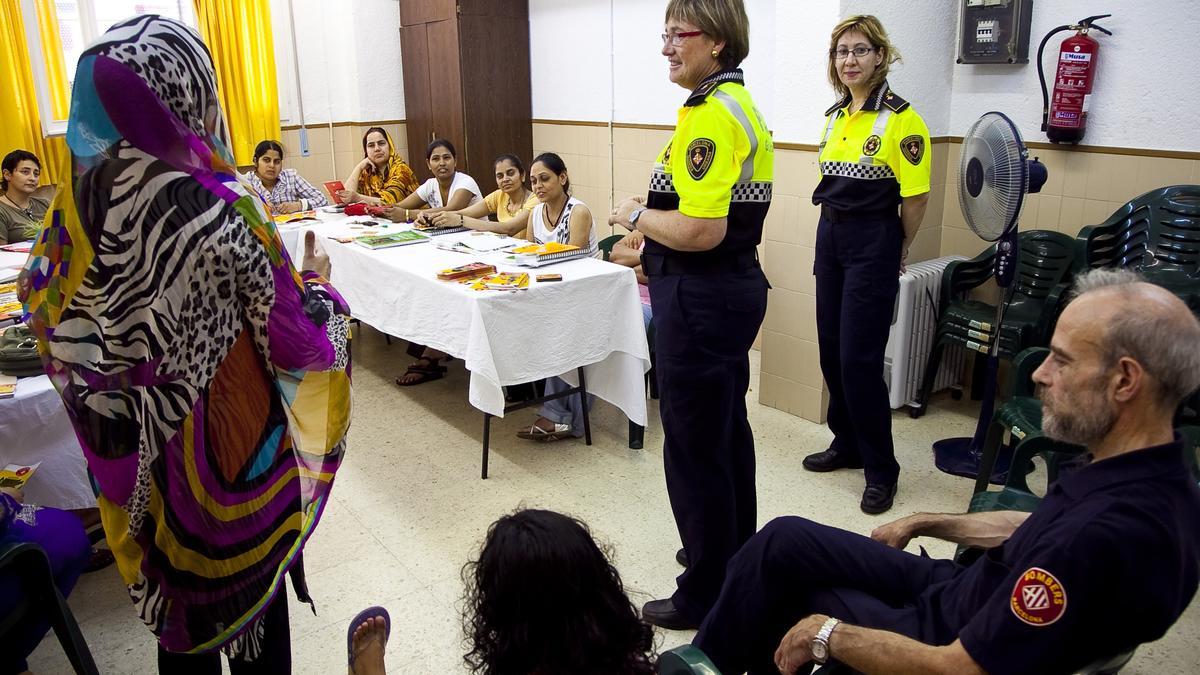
x=15, y=476
x=402, y=238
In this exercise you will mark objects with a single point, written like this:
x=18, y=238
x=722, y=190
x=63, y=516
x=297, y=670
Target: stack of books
x=504, y=281
x=465, y=272
x=536, y=255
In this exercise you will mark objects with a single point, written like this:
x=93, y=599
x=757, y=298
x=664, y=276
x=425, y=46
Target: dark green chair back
x=685, y=660
x=606, y=244
x=1156, y=234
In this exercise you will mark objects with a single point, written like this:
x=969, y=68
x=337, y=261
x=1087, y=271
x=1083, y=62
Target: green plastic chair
x=606, y=244
x=1021, y=417
x=1045, y=261
x=1157, y=235
x=685, y=660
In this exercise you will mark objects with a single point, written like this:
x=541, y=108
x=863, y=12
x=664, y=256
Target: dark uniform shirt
x=719, y=163
x=1107, y=561
x=869, y=160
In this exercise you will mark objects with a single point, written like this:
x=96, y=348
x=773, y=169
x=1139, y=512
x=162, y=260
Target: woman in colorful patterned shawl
x=208, y=381
x=381, y=177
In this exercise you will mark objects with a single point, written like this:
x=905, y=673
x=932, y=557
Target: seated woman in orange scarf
x=381, y=177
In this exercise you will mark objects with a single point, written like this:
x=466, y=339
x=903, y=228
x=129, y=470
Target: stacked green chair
x=685, y=660
x=1156, y=235
x=1021, y=417
x=1045, y=261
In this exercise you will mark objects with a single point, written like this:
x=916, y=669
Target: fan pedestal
x=957, y=457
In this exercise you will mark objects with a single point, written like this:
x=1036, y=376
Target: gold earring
x=715, y=53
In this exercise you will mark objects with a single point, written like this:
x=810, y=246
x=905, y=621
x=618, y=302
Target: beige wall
x=346, y=149
x=1084, y=188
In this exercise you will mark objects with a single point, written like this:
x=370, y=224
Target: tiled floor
x=409, y=509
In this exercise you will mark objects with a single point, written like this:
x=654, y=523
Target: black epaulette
x=838, y=106
x=894, y=102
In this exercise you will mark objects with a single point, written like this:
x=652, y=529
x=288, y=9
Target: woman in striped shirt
x=284, y=190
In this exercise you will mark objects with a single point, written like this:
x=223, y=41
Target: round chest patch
x=1038, y=598
x=871, y=145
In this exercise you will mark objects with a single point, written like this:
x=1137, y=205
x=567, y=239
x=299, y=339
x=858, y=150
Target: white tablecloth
x=592, y=318
x=34, y=428
x=11, y=263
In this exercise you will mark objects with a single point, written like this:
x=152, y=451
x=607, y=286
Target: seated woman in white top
x=448, y=190
x=559, y=217
x=562, y=218
x=284, y=190
x=511, y=203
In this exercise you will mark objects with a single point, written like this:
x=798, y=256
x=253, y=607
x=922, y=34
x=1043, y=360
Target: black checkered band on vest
x=856, y=170
x=660, y=181
x=753, y=191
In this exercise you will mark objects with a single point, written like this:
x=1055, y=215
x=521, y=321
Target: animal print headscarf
x=207, y=380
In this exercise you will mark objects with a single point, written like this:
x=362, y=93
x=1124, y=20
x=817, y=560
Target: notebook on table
x=391, y=239
x=536, y=255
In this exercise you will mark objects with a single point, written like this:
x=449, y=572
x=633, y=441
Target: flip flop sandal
x=426, y=365
x=536, y=433
x=100, y=558
x=423, y=375
x=358, y=620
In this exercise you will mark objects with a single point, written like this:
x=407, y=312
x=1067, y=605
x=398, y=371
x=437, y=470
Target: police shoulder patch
x=1038, y=598
x=913, y=148
x=871, y=145
x=700, y=157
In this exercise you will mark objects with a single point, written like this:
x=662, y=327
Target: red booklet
x=333, y=187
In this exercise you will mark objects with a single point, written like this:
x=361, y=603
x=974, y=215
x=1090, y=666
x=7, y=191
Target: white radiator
x=914, y=326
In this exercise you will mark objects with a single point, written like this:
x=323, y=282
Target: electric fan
x=994, y=176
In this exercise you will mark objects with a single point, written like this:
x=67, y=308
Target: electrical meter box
x=994, y=31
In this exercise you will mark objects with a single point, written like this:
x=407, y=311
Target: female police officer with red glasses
x=709, y=193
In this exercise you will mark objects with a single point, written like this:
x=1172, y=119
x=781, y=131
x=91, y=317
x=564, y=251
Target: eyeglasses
x=860, y=51
x=676, y=39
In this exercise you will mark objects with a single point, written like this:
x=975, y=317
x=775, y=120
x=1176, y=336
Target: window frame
x=37, y=57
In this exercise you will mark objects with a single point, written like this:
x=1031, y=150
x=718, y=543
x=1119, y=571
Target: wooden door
x=432, y=88
x=495, y=66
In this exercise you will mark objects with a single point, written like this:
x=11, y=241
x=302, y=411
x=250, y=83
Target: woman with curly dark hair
x=544, y=599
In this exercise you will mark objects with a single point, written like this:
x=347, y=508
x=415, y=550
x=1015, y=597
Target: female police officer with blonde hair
x=709, y=193
x=874, y=157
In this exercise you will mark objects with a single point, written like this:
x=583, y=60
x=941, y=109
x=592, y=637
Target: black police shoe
x=662, y=613
x=681, y=557
x=831, y=460
x=877, y=498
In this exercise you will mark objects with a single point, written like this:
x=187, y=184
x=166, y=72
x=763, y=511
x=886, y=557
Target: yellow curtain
x=52, y=53
x=22, y=126
x=239, y=36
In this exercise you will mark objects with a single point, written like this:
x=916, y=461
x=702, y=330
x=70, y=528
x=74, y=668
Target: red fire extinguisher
x=1065, y=111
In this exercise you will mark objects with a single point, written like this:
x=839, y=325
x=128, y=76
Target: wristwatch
x=820, y=643
x=633, y=217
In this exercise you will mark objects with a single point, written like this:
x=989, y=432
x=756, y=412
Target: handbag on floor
x=18, y=352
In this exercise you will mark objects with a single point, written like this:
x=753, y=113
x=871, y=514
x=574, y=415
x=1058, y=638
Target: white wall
x=1146, y=93
x=349, y=60
x=924, y=35
x=573, y=57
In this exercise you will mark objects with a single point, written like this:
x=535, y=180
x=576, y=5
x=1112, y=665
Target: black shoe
x=662, y=613
x=681, y=557
x=831, y=460
x=877, y=498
